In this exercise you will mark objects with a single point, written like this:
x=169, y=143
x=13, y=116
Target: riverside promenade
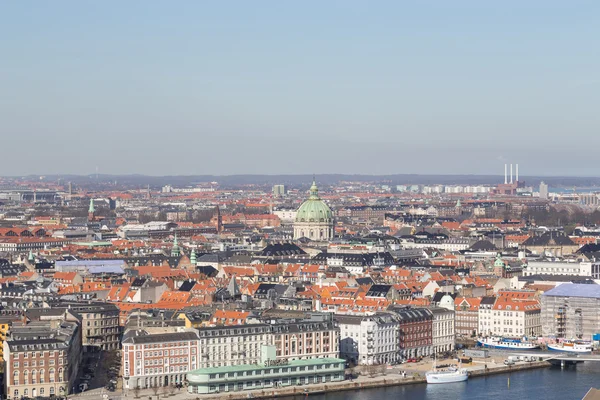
x=405, y=374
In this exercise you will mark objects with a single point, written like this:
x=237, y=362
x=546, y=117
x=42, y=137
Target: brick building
x=43, y=357
x=415, y=331
x=163, y=359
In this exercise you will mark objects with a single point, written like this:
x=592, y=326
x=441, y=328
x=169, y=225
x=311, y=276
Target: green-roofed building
x=314, y=218
x=270, y=373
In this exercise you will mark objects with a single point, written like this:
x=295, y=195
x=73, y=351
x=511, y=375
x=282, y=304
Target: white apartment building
x=315, y=336
x=512, y=318
x=447, y=245
x=485, y=322
x=443, y=333
x=369, y=340
x=225, y=346
x=286, y=216
x=563, y=268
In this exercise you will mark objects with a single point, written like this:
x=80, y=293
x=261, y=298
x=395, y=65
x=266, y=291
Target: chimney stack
x=517, y=173
x=511, y=174
x=505, y=174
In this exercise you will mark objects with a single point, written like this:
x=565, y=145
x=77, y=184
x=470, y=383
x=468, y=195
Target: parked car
x=509, y=362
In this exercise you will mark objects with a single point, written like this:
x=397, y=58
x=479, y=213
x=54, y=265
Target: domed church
x=314, y=218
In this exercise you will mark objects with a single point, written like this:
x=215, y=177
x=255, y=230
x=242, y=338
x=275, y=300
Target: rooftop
x=259, y=367
x=575, y=290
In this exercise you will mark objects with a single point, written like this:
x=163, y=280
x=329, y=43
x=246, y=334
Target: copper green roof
x=314, y=209
x=259, y=367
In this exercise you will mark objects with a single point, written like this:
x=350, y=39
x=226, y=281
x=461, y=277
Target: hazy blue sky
x=224, y=87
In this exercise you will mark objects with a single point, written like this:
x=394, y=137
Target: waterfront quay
x=404, y=374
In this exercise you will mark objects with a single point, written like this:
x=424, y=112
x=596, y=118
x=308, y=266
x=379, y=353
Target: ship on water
x=451, y=374
x=570, y=346
x=507, y=343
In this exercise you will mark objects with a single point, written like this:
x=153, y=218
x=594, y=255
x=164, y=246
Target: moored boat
x=572, y=346
x=448, y=375
x=506, y=343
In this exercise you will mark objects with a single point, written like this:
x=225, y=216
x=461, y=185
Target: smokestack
x=505, y=174
x=517, y=173
x=511, y=174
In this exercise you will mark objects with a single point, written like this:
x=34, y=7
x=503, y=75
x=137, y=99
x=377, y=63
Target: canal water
x=547, y=383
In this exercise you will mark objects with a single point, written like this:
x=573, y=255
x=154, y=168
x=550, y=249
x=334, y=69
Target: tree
x=155, y=390
x=110, y=359
x=371, y=370
x=136, y=392
x=165, y=391
x=172, y=389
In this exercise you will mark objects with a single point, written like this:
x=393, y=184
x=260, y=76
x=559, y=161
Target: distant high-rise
x=278, y=190
x=543, y=190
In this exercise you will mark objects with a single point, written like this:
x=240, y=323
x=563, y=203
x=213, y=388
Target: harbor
x=366, y=378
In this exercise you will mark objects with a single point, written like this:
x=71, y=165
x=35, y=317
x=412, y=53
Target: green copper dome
x=314, y=209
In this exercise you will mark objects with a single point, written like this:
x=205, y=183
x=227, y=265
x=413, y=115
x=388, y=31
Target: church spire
x=175, y=248
x=193, y=257
x=91, y=210
x=314, y=190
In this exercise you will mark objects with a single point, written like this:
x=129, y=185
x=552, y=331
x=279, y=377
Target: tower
x=543, y=191
x=91, y=211
x=193, y=257
x=219, y=220
x=175, y=248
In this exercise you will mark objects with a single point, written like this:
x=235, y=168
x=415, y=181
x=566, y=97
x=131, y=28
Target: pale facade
x=443, y=333
x=512, y=319
x=160, y=359
x=369, y=340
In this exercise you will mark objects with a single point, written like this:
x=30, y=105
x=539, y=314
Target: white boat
x=572, y=347
x=448, y=375
x=505, y=343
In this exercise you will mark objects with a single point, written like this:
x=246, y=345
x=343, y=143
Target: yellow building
x=5, y=324
x=194, y=319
